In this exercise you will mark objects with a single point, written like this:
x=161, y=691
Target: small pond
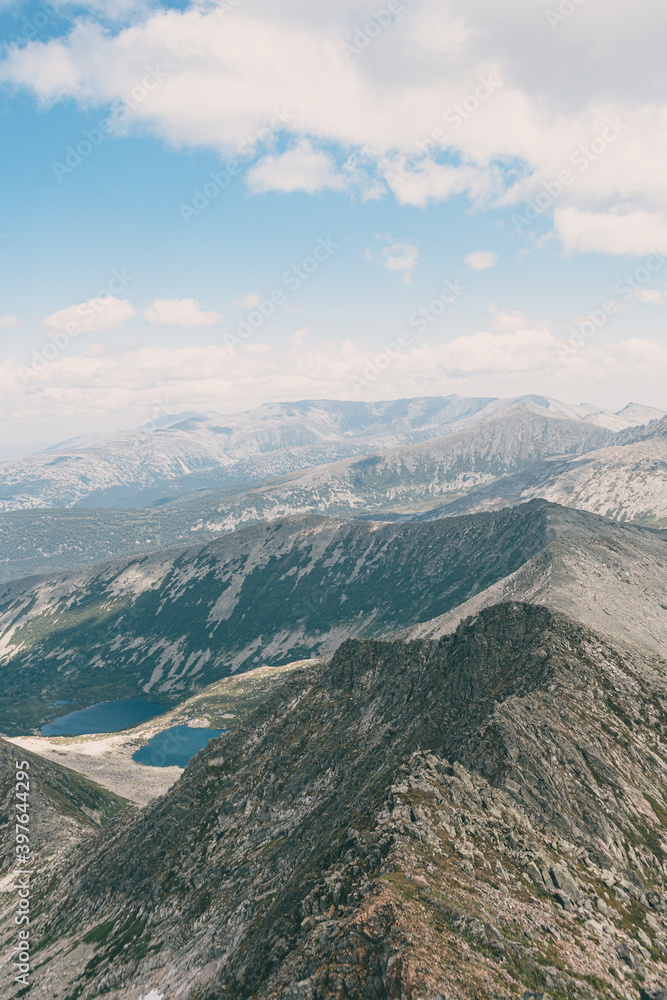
x=175, y=746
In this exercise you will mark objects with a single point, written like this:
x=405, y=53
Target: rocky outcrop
x=478, y=818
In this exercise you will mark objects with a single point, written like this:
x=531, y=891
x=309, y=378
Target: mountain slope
x=277, y=592
x=169, y=623
x=176, y=455
x=512, y=437
x=480, y=818
x=63, y=807
x=626, y=481
x=615, y=582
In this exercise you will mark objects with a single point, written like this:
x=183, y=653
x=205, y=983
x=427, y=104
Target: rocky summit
x=478, y=817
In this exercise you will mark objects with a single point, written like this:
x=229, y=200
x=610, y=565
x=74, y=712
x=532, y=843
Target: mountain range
x=166, y=623
x=441, y=661
x=504, y=454
x=177, y=454
x=480, y=818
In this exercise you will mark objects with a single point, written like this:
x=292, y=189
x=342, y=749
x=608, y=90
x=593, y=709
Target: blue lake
x=175, y=746
x=107, y=717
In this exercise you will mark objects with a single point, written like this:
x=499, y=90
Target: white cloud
x=103, y=386
x=508, y=319
x=9, y=322
x=299, y=169
x=93, y=316
x=651, y=296
x=614, y=232
x=430, y=181
x=408, y=102
x=479, y=259
x=258, y=348
x=180, y=312
x=249, y=301
x=400, y=256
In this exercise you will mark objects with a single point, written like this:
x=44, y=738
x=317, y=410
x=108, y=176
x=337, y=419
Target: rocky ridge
x=169, y=623
x=477, y=818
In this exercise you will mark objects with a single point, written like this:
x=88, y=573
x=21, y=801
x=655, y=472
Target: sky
x=212, y=205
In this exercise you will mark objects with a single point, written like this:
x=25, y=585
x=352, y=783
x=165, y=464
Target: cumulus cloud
x=299, y=169
x=479, y=259
x=615, y=232
x=451, y=98
x=180, y=312
x=93, y=316
x=508, y=319
x=9, y=322
x=400, y=256
x=249, y=301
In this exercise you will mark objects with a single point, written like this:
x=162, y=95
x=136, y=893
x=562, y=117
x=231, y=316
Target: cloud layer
x=180, y=312
x=445, y=98
x=93, y=316
x=516, y=358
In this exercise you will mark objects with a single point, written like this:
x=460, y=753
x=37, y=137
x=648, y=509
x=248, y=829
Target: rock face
x=477, y=818
x=169, y=623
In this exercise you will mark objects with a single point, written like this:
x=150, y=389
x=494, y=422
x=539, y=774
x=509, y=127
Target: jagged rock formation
x=168, y=623
x=478, y=818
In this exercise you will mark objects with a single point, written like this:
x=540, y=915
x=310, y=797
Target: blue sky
x=414, y=145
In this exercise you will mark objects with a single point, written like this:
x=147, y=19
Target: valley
x=438, y=671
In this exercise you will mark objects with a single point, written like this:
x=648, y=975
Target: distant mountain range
x=627, y=481
x=178, y=454
x=505, y=452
